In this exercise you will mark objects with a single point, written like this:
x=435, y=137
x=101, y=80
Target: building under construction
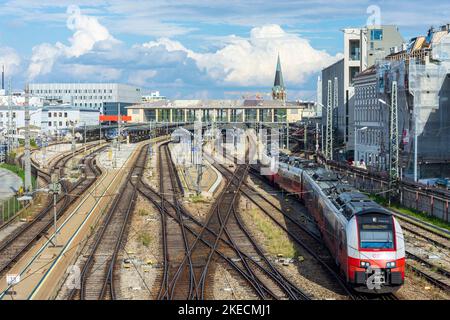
x=413, y=86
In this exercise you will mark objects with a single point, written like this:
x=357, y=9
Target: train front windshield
x=376, y=231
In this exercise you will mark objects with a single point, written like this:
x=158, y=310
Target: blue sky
x=191, y=49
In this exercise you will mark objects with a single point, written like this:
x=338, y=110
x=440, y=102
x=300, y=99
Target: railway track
x=175, y=240
x=299, y=233
x=21, y=239
x=416, y=262
x=98, y=273
x=222, y=235
x=296, y=230
x=44, y=179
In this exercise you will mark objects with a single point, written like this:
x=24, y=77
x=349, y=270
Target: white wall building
x=87, y=95
x=49, y=119
x=153, y=96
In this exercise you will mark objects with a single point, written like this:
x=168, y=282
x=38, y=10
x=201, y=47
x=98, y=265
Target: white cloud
x=140, y=77
x=86, y=72
x=43, y=59
x=88, y=34
x=251, y=62
x=10, y=59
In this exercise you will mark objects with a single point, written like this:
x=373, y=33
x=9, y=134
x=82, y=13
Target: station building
x=245, y=110
x=221, y=111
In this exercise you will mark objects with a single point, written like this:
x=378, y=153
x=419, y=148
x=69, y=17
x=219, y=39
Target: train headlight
x=364, y=264
x=391, y=264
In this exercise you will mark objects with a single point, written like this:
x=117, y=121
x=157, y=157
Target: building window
x=60, y=114
x=376, y=34
x=49, y=123
x=65, y=114
x=60, y=123
x=49, y=114
x=354, y=51
x=353, y=72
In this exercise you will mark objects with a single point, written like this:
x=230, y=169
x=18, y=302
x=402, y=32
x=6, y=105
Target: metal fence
x=423, y=199
x=2, y=153
x=9, y=208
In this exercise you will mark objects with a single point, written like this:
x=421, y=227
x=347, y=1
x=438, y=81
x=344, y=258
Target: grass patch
x=411, y=212
x=143, y=212
x=197, y=199
x=276, y=240
x=145, y=239
x=15, y=169
x=18, y=171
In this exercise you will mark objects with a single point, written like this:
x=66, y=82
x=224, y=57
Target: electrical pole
x=118, y=126
x=305, y=136
x=287, y=133
x=28, y=185
x=393, y=138
x=85, y=137
x=329, y=133
x=73, y=143
x=335, y=106
x=10, y=138
x=393, y=157
x=317, y=137
x=55, y=189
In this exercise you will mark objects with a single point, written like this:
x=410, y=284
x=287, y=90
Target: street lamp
x=356, y=130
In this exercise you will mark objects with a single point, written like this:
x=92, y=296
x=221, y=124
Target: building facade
x=363, y=47
x=371, y=122
x=49, y=119
x=221, y=111
x=421, y=72
x=100, y=96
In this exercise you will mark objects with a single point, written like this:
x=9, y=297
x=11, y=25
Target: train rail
x=97, y=276
x=19, y=241
x=296, y=230
x=216, y=236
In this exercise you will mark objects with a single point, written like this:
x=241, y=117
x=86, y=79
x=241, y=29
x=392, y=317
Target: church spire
x=278, y=89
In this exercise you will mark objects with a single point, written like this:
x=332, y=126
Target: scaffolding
x=429, y=84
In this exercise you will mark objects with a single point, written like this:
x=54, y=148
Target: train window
x=376, y=232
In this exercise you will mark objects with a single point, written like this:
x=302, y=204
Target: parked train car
x=364, y=238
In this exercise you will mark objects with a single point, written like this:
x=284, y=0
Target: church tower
x=278, y=89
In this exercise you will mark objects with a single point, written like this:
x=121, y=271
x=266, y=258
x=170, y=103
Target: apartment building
x=363, y=47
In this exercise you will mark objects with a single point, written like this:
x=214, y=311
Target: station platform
x=209, y=182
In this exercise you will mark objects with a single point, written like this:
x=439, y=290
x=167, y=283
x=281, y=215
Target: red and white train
x=365, y=239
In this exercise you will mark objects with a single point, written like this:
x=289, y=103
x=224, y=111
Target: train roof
x=347, y=199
